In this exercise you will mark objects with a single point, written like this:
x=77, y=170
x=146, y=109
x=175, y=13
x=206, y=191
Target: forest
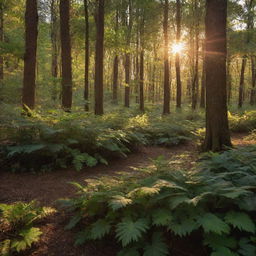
x=127, y=127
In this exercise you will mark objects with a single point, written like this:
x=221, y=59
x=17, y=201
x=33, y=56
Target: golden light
x=177, y=48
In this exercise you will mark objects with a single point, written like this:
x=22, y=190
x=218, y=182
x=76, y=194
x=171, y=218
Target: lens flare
x=177, y=48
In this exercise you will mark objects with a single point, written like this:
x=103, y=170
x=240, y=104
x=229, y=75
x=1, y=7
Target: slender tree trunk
x=1, y=40
x=202, y=98
x=252, y=96
x=54, y=35
x=31, y=32
x=241, y=84
x=195, y=83
x=217, y=129
x=66, y=55
x=229, y=80
x=99, y=57
x=177, y=57
x=87, y=57
x=166, y=109
x=116, y=64
x=142, y=80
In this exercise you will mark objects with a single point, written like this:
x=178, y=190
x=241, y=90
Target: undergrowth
x=215, y=202
x=17, y=223
x=44, y=142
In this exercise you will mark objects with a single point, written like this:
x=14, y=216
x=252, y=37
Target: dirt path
x=47, y=188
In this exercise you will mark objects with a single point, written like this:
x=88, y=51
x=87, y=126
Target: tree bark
x=31, y=33
x=177, y=57
x=142, y=80
x=241, y=84
x=1, y=39
x=87, y=57
x=166, y=107
x=99, y=57
x=116, y=64
x=66, y=59
x=54, y=35
x=217, y=129
x=202, y=98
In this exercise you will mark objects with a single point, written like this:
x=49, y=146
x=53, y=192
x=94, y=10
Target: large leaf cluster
x=216, y=200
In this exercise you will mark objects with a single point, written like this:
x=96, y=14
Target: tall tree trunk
x=142, y=80
x=128, y=57
x=54, y=35
x=229, y=80
x=166, y=108
x=202, y=97
x=115, y=79
x=241, y=84
x=99, y=57
x=66, y=55
x=177, y=57
x=31, y=32
x=195, y=83
x=1, y=40
x=252, y=96
x=87, y=57
x=116, y=63
x=217, y=129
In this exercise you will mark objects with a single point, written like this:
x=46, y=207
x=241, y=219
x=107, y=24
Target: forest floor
x=48, y=187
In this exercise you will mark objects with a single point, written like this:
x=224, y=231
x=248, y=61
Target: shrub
x=17, y=224
x=216, y=201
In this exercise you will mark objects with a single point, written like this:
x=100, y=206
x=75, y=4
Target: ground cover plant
x=215, y=201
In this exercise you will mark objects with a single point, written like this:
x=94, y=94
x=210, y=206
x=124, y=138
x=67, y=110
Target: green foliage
x=57, y=140
x=17, y=221
x=213, y=200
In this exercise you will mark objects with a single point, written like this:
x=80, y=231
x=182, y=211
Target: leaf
x=240, y=220
x=212, y=223
x=73, y=222
x=161, y=217
x=246, y=248
x=216, y=241
x=183, y=227
x=29, y=236
x=118, y=202
x=223, y=251
x=129, y=231
x=158, y=247
x=176, y=201
x=99, y=229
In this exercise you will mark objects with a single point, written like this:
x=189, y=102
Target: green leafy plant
x=214, y=201
x=17, y=222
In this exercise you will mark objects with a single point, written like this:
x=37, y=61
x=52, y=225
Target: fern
x=118, y=202
x=240, y=220
x=129, y=231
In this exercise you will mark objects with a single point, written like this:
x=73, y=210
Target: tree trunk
x=54, y=35
x=31, y=32
x=115, y=79
x=229, y=80
x=202, y=98
x=195, y=83
x=87, y=57
x=241, y=84
x=66, y=55
x=252, y=96
x=217, y=129
x=99, y=57
x=177, y=57
x=166, y=108
x=142, y=80
x=1, y=40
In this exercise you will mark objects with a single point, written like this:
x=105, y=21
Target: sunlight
x=177, y=48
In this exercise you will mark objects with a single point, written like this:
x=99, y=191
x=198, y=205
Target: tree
x=87, y=57
x=177, y=57
x=217, y=129
x=166, y=109
x=99, y=57
x=66, y=55
x=54, y=41
x=1, y=39
x=31, y=32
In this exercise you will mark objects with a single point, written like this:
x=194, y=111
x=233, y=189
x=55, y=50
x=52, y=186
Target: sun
x=177, y=48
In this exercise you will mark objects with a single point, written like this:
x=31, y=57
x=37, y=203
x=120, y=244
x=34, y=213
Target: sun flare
x=177, y=48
